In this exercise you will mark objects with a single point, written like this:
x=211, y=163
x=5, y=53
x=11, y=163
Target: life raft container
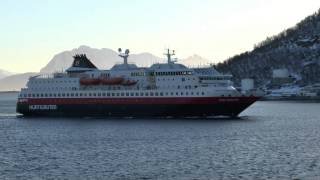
x=111, y=81
x=89, y=81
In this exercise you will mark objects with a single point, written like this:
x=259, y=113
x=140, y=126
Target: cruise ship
x=165, y=89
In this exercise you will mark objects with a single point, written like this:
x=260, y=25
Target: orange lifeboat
x=112, y=81
x=129, y=83
x=89, y=81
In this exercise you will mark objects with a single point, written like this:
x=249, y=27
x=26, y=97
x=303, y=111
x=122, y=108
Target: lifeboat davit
x=129, y=83
x=112, y=81
x=89, y=81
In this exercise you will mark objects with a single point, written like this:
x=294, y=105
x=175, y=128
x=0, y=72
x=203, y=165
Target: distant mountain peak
x=105, y=58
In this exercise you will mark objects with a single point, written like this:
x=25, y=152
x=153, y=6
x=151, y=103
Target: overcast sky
x=33, y=31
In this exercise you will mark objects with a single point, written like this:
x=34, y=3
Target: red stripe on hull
x=145, y=100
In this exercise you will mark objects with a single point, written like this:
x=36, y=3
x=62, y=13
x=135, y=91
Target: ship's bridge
x=122, y=67
x=167, y=66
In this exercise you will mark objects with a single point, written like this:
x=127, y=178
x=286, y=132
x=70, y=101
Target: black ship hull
x=148, y=107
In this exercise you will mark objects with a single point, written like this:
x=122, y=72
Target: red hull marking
x=142, y=100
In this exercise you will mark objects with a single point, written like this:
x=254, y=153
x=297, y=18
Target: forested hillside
x=297, y=49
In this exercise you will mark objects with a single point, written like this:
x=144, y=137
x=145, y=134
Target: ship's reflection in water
x=277, y=140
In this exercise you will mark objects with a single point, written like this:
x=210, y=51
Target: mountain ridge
x=105, y=58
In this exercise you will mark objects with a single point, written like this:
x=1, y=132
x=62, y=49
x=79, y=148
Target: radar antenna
x=169, y=56
x=124, y=55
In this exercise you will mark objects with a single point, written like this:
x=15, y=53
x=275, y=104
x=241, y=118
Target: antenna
x=169, y=55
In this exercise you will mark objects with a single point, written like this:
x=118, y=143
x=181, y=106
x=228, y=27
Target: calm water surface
x=271, y=140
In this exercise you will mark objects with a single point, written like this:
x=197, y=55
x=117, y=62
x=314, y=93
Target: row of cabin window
x=113, y=94
x=173, y=73
x=172, y=79
x=53, y=88
x=53, y=81
x=162, y=73
x=212, y=78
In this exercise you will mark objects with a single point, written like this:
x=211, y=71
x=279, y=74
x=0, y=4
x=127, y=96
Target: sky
x=33, y=31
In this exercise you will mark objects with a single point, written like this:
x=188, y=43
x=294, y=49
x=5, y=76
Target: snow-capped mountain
x=106, y=58
x=102, y=58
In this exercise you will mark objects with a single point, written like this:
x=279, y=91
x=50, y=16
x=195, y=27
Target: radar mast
x=124, y=55
x=169, y=56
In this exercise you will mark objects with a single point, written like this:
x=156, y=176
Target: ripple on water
x=271, y=140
